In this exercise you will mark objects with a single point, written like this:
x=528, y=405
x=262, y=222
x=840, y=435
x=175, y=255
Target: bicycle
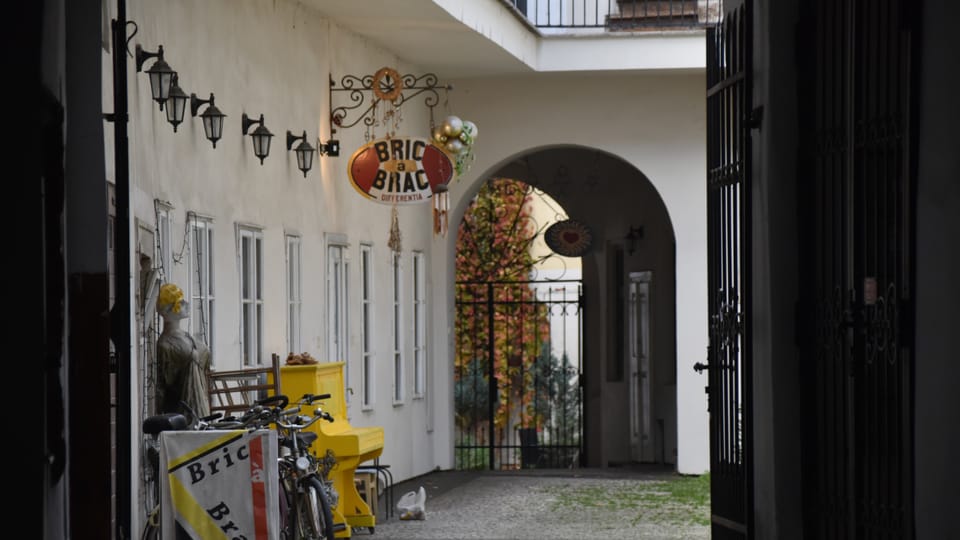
x=307, y=497
x=305, y=491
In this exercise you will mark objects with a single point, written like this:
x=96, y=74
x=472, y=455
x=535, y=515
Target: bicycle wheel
x=150, y=533
x=315, y=516
x=151, y=528
x=287, y=521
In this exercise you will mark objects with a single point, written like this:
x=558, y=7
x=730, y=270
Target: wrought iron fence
x=517, y=395
x=620, y=15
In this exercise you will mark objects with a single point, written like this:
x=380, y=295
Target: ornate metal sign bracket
x=384, y=85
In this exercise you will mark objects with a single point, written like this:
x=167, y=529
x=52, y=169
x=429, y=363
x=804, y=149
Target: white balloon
x=454, y=146
x=452, y=126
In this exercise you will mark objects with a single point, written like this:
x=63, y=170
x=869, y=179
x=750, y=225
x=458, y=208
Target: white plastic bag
x=412, y=505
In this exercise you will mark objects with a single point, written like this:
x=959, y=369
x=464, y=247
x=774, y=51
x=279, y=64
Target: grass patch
x=682, y=500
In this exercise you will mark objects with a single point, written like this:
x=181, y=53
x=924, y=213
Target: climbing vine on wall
x=493, y=262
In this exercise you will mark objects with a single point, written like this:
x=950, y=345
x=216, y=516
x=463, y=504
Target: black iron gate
x=856, y=232
x=517, y=390
x=728, y=235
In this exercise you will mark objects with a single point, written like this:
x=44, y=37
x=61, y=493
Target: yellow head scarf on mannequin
x=171, y=298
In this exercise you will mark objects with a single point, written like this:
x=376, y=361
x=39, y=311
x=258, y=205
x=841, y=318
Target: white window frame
x=396, y=316
x=367, y=367
x=201, y=283
x=250, y=294
x=338, y=314
x=294, y=292
x=419, y=326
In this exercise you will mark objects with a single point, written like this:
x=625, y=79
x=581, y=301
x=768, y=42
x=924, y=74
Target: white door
x=638, y=324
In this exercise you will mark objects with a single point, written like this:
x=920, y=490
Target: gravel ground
x=537, y=505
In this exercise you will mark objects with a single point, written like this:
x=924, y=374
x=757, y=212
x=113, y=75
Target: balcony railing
x=620, y=15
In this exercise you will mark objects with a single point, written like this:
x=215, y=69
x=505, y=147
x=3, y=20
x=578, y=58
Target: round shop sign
x=399, y=170
x=568, y=238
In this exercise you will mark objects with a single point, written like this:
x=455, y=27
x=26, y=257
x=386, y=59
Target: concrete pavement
x=548, y=504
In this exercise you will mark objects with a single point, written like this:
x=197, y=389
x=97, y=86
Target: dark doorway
x=856, y=231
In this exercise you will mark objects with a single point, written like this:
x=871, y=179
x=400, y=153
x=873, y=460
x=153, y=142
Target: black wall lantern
x=161, y=75
x=176, y=102
x=304, y=151
x=211, y=116
x=632, y=239
x=261, y=136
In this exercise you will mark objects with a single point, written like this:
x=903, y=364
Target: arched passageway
x=626, y=319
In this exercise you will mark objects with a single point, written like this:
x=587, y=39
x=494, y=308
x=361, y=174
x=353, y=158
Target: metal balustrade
x=619, y=15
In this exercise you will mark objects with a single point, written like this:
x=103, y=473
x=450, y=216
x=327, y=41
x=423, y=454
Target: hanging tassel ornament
x=441, y=207
x=394, y=242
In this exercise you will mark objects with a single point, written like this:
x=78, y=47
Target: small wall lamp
x=633, y=238
x=161, y=75
x=176, y=102
x=261, y=136
x=331, y=148
x=304, y=151
x=212, y=117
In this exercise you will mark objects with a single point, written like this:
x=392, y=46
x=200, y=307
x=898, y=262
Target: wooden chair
x=236, y=391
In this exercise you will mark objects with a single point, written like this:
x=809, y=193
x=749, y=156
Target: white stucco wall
x=275, y=58
x=656, y=123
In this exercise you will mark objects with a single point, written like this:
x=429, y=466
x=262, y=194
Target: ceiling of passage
x=424, y=34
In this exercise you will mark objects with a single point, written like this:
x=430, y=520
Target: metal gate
x=728, y=274
x=517, y=375
x=856, y=232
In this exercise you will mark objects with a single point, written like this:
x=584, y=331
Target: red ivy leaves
x=493, y=244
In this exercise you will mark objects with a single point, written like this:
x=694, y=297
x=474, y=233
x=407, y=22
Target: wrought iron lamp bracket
x=370, y=90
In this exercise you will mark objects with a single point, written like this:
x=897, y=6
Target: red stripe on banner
x=258, y=486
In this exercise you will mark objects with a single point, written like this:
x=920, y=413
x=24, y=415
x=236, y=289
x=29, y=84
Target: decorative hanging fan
x=568, y=238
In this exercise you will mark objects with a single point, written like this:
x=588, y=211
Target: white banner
x=219, y=485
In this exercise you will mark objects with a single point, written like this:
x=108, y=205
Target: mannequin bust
x=182, y=360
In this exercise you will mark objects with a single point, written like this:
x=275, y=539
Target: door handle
x=699, y=367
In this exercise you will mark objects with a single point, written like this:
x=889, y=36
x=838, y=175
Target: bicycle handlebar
x=279, y=398
x=296, y=425
x=310, y=398
x=299, y=426
x=212, y=417
x=271, y=410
